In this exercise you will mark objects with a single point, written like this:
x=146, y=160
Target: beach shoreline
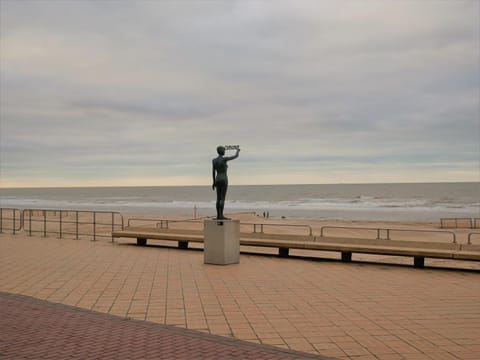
x=405, y=202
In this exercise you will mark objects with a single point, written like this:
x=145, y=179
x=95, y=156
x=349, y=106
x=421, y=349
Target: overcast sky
x=141, y=92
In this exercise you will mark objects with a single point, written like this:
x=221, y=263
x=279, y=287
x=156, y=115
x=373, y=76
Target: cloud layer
x=141, y=92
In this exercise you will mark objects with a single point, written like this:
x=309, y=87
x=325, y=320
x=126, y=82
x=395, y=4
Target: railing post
x=22, y=221
x=30, y=222
x=44, y=223
x=378, y=234
x=162, y=222
x=76, y=225
x=13, y=224
x=94, y=225
x=388, y=234
x=61, y=211
x=1, y=220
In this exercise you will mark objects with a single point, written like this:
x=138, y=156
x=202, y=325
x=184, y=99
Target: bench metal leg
x=141, y=241
x=183, y=244
x=346, y=256
x=283, y=251
x=418, y=261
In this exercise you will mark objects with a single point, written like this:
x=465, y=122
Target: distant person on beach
x=220, y=178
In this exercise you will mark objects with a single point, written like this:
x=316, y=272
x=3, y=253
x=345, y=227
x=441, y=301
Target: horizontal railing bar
x=307, y=227
x=164, y=223
x=71, y=222
x=167, y=222
x=68, y=233
x=74, y=211
x=161, y=221
x=388, y=231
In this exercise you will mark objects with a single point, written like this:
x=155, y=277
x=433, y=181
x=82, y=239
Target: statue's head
x=221, y=150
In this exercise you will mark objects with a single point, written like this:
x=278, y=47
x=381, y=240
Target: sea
x=396, y=202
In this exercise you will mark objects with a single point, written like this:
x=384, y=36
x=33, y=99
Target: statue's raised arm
x=220, y=178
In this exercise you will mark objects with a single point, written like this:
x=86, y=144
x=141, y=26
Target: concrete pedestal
x=221, y=242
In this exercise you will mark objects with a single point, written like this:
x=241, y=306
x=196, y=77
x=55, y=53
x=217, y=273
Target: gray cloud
x=157, y=85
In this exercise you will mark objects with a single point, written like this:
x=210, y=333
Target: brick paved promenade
x=36, y=329
x=350, y=311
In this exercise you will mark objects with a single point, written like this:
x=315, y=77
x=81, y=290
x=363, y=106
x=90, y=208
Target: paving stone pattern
x=347, y=311
x=36, y=329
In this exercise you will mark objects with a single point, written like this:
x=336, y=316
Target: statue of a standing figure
x=220, y=178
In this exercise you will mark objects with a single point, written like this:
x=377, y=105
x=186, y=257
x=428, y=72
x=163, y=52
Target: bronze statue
x=220, y=178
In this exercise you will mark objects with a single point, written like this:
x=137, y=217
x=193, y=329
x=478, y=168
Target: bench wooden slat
x=149, y=229
x=157, y=236
x=354, y=248
x=347, y=246
x=467, y=255
x=389, y=243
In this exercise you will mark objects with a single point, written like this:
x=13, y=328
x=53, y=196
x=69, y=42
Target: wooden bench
x=419, y=250
x=468, y=252
x=347, y=246
x=142, y=234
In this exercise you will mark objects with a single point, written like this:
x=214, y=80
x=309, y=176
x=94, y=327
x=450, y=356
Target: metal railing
x=454, y=222
x=102, y=223
x=258, y=228
x=11, y=220
x=388, y=231
x=162, y=223
x=470, y=236
x=261, y=227
x=93, y=224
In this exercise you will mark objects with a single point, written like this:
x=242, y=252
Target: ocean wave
x=364, y=203
x=395, y=201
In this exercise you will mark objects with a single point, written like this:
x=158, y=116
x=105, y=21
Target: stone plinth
x=221, y=242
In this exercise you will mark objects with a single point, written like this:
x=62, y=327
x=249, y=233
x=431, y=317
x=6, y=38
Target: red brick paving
x=36, y=329
x=352, y=311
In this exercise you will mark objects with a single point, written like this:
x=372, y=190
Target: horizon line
x=233, y=185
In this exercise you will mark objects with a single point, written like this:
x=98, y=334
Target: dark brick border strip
x=35, y=329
